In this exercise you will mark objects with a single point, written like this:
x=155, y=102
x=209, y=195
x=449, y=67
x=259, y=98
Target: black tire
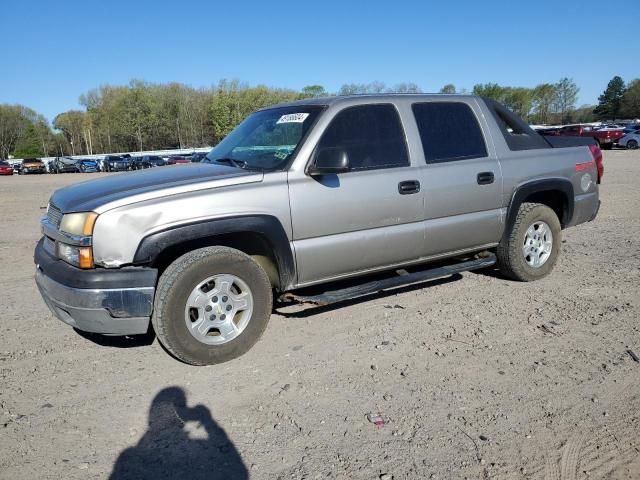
x=511, y=260
x=632, y=144
x=175, y=286
x=607, y=146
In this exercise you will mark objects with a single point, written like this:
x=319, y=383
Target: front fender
x=267, y=227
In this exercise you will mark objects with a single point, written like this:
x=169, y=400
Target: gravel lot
x=476, y=377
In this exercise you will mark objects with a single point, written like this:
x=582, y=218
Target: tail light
x=597, y=157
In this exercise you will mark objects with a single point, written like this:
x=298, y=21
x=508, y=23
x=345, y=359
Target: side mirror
x=329, y=160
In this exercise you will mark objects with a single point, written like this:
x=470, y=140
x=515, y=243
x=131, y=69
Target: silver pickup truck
x=311, y=193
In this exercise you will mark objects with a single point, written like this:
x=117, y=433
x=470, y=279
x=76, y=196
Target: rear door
x=462, y=179
x=363, y=219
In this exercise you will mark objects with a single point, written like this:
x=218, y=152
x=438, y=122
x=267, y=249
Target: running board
x=403, y=279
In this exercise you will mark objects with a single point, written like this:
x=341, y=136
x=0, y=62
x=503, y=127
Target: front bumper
x=112, y=302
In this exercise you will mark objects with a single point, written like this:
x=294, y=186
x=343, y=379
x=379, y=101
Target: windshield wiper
x=234, y=162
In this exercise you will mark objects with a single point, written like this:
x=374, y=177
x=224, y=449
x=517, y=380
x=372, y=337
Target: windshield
x=267, y=139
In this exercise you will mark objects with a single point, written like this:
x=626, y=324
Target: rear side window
x=449, y=131
x=371, y=135
x=517, y=134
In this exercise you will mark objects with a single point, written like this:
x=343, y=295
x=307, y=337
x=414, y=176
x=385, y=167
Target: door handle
x=408, y=187
x=485, y=178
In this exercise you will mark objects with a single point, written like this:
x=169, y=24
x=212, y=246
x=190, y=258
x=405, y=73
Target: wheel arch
x=556, y=193
x=260, y=236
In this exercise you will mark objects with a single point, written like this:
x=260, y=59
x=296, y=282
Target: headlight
x=79, y=256
x=78, y=223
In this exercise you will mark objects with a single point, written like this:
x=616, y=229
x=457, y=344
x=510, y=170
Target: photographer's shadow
x=167, y=451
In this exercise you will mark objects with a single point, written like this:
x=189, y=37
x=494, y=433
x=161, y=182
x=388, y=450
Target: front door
x=367, y=218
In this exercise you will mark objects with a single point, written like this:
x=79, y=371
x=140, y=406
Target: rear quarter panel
x=523, y=166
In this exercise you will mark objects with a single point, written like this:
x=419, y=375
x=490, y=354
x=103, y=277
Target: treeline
x=554, y=103
x=148, y=116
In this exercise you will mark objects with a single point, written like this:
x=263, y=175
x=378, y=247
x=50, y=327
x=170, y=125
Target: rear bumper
x=117, y=302
x=585, y=208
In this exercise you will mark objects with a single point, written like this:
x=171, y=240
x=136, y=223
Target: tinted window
x=449, y=131
x=371, y=135
x=517, y=134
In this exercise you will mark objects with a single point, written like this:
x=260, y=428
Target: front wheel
x=632, y=144
x=530, y=250
x=212, y=305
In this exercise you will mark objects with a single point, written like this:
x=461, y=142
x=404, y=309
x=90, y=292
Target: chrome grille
x=54, y=215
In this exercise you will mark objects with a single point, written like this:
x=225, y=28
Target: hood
x=119, y=189
x=36, y=163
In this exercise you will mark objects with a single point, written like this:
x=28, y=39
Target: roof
x=366, y=97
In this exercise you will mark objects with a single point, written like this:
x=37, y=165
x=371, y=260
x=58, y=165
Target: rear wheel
x=212, y=305
x=632, y=144
x=530, y=250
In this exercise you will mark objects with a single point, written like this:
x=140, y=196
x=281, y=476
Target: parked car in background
x=148, y=161
x=135, y=162
x=551, y=131
x=605, y=137
x=63, y=165
x=631, y=129
x=32, y=165
x=175, y=159
x=87, y=166
x=5, y=168
x=198, y=156
x=116, y=163
x=630, y=140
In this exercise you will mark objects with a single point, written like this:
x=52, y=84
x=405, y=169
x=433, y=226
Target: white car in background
x=630, y=140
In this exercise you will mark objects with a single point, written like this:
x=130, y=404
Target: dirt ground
x=474, y=377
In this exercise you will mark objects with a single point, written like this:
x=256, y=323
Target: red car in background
x=175, y=159
x=605, y=137
x=5, y=168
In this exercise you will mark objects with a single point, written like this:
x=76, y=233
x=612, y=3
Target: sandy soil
x=476, y=377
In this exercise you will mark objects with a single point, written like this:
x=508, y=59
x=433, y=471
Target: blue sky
x=54, y=51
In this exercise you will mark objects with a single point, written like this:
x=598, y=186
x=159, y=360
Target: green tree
x=519, y=100
x=565, y=98
x=542, y=98
x=72, y=125
x=610, y=102
x=584, y=114
x=630, y=105
x=405, y=87
x=448, y=88
x=490, y=90
x=12, y=126
x=313, y=91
